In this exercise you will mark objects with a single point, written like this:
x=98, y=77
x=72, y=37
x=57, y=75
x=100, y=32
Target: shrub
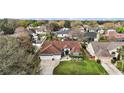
x=98, y=61
x=113, y=61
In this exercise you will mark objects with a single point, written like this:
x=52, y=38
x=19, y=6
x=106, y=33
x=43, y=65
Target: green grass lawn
x=120, y=67
x=79, y=68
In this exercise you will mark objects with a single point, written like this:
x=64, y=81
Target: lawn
x=120, y=67
x=79, y=68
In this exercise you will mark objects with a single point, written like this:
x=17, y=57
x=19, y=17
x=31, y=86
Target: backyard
x=85, y=67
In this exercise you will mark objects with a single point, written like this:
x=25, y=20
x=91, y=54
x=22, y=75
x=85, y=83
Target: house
x=112, y=35
x=75, y=34
x=69, y=34
x=104, y=50
x=55, y=50
x=41, y=30
x=62, y=33
x=38, y=43
x=90, y=36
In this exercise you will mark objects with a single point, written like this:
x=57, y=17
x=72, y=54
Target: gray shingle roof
x=103, y=48
x=90, y=34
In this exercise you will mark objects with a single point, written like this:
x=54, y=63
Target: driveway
x=47, y=66
x=111, y=69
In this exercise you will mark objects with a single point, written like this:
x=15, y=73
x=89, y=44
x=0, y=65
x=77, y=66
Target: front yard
x=79, y=68
x=120, y=66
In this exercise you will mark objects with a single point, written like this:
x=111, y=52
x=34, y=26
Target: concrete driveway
x=47, y=66
x=111, y=69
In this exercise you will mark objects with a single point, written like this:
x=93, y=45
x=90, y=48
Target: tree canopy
x=120, y=29
x=8, y=27
x=17, y=57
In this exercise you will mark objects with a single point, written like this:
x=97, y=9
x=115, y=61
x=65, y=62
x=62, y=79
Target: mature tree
x=60, y=23
x=90, y=23
x=76, y=23
x=8, y=27
x=120, y=29
x=24, y=23
x=17, y=57
x=67, y=24
x=109, y=24
x=54, y=26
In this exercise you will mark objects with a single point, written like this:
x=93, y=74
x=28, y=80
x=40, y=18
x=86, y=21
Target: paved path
x=47, y=66
x=111, y=69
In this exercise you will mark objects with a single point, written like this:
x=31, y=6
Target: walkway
x=111, y=69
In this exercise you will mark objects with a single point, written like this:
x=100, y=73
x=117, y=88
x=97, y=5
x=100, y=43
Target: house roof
x=55, y=47
x=62, y=32
x=103, y=48
x=120, y=35
x=50, y=50
x=113, y=33
x=75, y=33
x=41, y=28
x=90, y=34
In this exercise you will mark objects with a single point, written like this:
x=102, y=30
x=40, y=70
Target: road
x=111, y=69
x=47, y=66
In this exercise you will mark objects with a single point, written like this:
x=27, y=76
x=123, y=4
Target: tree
x=54, y=26
x=120, y=29
x=109, y=24
x=7, y=27
x=90, y=23
x=98, y=61
x=76, y=24
x=17, y=57
x=24, y=23
x=67, y=24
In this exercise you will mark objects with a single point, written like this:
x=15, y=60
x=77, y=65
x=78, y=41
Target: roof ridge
x=46, y=47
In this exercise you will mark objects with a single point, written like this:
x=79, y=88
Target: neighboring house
x=75, y=34
x=112, y=35
x=69, y=34
x=104, y=50
x=62, y=33
x=41, y=30
x=101, y=31
x=55, y=50
x=90, y=36
x=38, y=43
x=82, y=29
x=37, y=40
x=86, y=28
x=62, y=29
